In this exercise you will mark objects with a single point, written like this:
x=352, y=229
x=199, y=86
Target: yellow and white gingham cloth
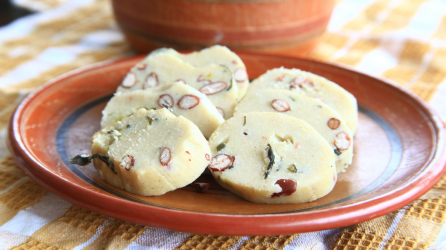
x=404, y=41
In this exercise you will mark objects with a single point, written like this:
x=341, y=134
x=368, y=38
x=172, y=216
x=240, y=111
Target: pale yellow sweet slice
x=181, y=98
x=152, y=151
x=314, y=86
x=220, y=55
x=324, y=119
x=272, y=158
x=215, y=81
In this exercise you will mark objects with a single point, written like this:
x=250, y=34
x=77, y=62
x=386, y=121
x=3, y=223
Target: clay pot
x=288, y=27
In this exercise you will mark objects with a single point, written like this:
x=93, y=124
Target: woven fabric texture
x=404, y=41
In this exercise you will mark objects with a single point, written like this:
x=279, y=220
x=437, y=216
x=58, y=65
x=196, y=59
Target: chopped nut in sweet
x=280, y=105
x=265, y=166
x=188, y=102
x=219, y=55
x=324, y=119
x=150, y=152
x=313, y=86
x=214, y=80
x=182, y=99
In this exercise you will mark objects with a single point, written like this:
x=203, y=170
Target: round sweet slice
x=182, y=99
x=272, y=158
x=215, y=81
x=150, y=152
x=220, y=55
x=314, y=86
x=324, y=119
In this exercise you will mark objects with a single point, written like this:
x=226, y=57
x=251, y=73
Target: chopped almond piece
x=165, y=156
x=334, y=123
x=181, y=81
x=300, y=80
x=188, y=102
x=127, y=162
x=213, y=88
x=201, y=79
x=240, y=75
x=141, y=66
x=165, y=99
x=280, y=105
x=151, y=81
x=129, y=81
x=221, y=162
x=342, y=141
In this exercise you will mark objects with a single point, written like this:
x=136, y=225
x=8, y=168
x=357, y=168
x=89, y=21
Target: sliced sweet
x=150, y=152
x=272, y=158
x=158, y=69
x=219, y=55
x=313, y=86
x=182, y=99
x=324, y=119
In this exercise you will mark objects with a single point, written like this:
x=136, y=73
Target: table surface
x=403, y=41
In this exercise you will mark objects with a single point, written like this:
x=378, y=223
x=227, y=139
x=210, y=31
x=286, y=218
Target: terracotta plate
x=398, y=156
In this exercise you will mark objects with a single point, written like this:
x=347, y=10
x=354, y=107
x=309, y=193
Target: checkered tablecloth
x=404, y=41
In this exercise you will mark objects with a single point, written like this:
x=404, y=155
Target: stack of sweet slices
x=301, y=122
x=287, y=140
x=137, y=134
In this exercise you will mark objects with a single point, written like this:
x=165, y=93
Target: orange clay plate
x=398, y=156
